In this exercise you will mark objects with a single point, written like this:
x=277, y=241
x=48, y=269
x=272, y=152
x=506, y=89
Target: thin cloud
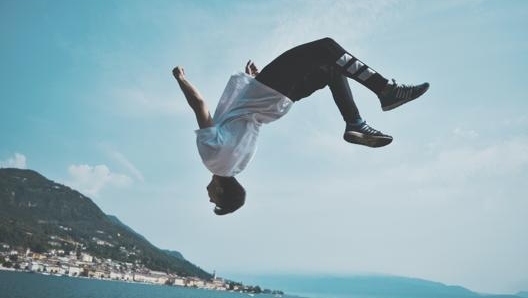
x=141, y=102
x=122, y=161
x=346, y=21
x=465, y=165
x=465, y=133
x=17, y=161
x=91, y=180
x=129, y=166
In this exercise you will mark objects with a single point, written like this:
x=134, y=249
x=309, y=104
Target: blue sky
x=87, y=99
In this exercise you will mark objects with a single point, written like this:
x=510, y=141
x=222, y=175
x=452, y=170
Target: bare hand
x=178, y=72
x=251, y=69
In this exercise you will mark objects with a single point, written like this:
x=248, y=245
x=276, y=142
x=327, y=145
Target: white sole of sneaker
x=362, y=139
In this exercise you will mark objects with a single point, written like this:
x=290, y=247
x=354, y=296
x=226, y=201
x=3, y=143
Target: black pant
x=302, y=70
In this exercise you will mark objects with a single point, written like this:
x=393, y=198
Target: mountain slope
x=41, y=214
x=116, y=221
x=365, y=286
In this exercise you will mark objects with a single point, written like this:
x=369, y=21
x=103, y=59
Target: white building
x=151, y=278
x=129, y=276
x=116, y=275
x=178, y=281
x=52, y=268
x=86, y=258
x=34, y=266
x=74, y=271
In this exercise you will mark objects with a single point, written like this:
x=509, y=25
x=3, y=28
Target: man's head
x=226, y=193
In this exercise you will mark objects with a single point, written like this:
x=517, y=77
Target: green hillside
x=41, y=214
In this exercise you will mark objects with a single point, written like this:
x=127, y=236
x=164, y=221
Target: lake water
x=32, y=285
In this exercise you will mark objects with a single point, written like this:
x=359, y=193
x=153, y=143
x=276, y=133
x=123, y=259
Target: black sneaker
x=363, y=134
x=400, y=94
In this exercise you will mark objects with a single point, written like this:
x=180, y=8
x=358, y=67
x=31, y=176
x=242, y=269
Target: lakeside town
x=81, y=264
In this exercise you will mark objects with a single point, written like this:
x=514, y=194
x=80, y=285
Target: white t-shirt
x=228, y=146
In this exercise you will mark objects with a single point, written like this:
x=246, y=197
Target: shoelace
x=402, y=92
x=367, y=129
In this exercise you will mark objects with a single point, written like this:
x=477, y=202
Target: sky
x=88, y=100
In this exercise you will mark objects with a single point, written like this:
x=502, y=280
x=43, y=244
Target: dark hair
x=229, y=195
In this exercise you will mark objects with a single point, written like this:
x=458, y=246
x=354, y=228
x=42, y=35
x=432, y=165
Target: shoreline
x=130, y=281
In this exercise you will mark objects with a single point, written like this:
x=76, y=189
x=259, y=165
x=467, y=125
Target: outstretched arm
x=194, y=98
